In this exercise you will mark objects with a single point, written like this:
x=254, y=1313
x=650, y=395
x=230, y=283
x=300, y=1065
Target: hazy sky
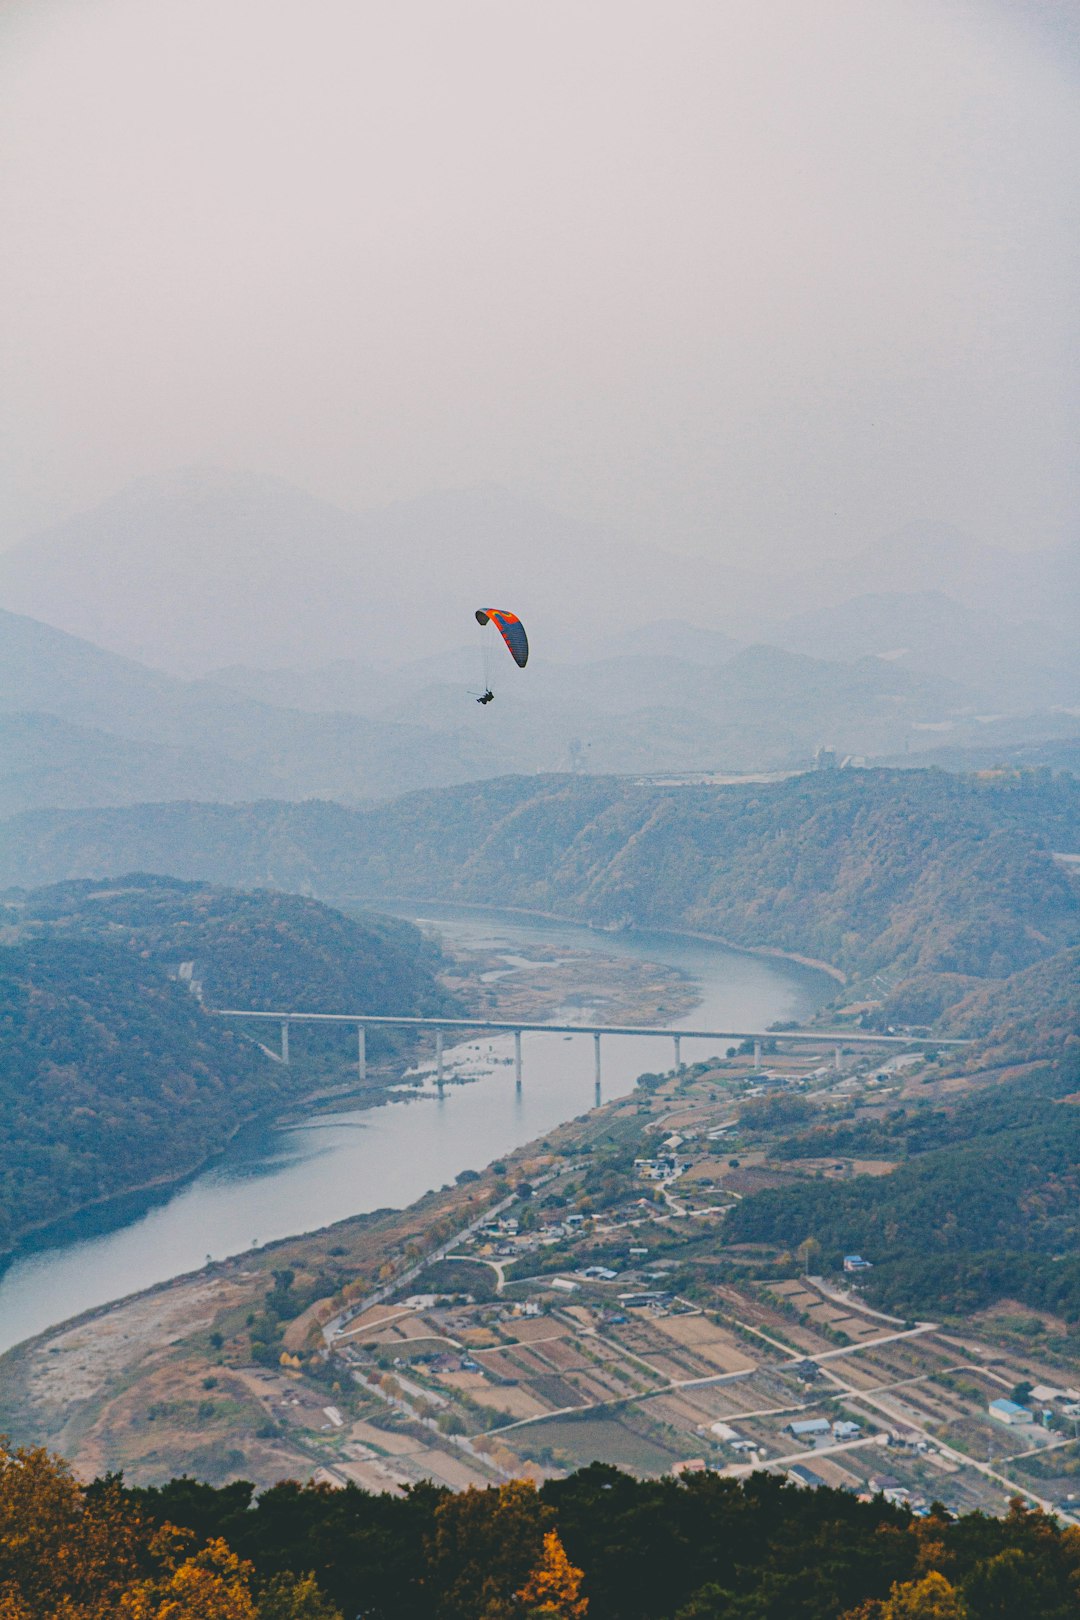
x=736, y=275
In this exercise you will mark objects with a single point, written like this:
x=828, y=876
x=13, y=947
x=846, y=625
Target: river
x=276, y=1181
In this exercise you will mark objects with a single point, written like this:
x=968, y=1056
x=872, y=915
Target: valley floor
x=576, y=1301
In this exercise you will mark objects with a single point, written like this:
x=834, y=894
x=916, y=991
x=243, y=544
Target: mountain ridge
x=252, y=747
x=248, y=568
x=867, y=870
x=136, y=733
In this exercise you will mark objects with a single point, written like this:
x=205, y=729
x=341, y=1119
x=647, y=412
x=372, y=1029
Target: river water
x=275, y=1181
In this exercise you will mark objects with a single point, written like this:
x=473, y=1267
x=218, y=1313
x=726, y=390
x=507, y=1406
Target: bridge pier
x=836, y=1058
x=757, y=1054
x=284, y=1040
x=517, y=1059
x=596, y=1056
x=361, y=1052
x=678, y=1054
x=439, y=1058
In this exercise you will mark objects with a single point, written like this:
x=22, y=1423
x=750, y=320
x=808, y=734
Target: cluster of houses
x=505, y=1238
x=665, y=1167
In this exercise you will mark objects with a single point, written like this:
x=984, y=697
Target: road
x=332, y=1329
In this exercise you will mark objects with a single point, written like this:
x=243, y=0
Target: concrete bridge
x=837, y=1038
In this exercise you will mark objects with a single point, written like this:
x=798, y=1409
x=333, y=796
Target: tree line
x=598, y=1545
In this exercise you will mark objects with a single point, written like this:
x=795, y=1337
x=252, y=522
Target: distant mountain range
x=1039, y=585
x=342, y=651
x=82, y=726
x=997, y=660
x=202, y=569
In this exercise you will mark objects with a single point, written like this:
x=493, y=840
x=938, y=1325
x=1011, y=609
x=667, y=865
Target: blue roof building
x=1009, y=1412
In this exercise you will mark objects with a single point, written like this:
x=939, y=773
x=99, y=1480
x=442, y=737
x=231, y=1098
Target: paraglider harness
x=488, y=697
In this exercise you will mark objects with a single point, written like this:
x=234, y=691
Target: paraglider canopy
x=511, y=629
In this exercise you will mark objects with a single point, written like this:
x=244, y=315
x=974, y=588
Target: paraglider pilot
x=512, y=631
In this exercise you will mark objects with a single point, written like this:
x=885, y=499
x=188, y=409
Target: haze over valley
x=267, y=645
x=539, y=810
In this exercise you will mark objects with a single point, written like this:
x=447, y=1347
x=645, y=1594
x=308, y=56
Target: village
x=581, y=1299
x=594, y=1314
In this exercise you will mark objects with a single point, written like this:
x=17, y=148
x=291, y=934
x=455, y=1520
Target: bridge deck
x=817, y=1037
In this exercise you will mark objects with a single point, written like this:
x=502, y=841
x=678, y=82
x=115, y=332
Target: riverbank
x=111, y=1209
x=155, y=1384
x=125, y=1384
x=480, y=978
x=332, y=1165
x=406, y=906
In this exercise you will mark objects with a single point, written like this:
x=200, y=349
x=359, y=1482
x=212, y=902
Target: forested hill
x=984, y=1205
x=112, y=1076
x=918, y=871
x=259, y=949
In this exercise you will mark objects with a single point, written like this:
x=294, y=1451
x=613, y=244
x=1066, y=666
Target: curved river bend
x=277, y=1181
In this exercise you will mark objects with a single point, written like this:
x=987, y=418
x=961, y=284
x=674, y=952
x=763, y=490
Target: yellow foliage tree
x=74, y=1553
x=483, y=1549
x=292, y=1597
x=553, y=1590
x=931, y=1598
x=62, y=1549
x=933, y=1552
x=213, y=1584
